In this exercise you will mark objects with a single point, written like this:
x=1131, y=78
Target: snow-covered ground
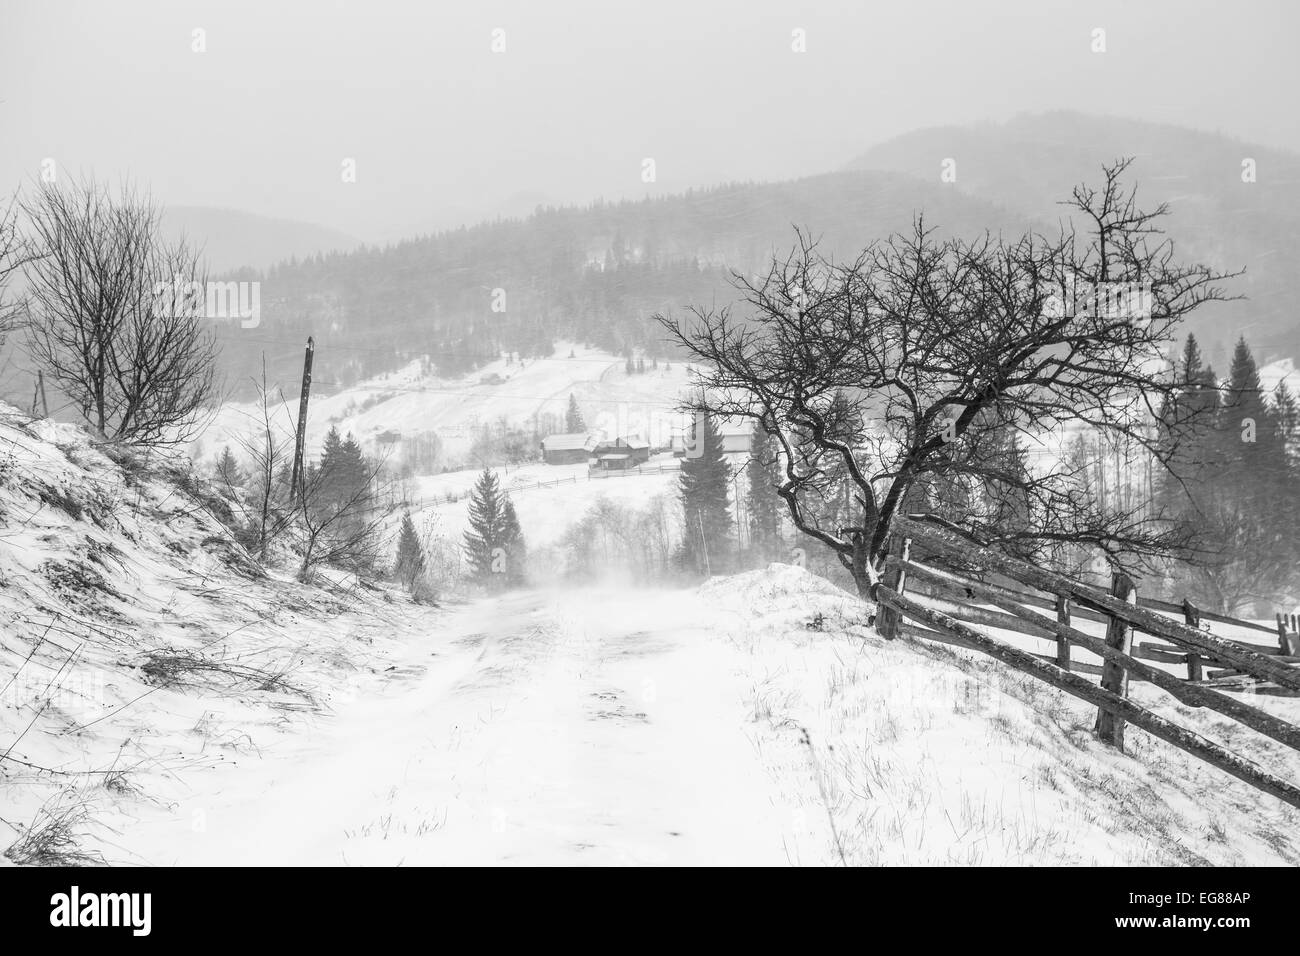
x=549, y=499
x=708, y=726
x=171, y=704
x=411, y=401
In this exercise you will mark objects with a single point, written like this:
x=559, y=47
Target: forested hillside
x=1233, y=204
x=595, y=274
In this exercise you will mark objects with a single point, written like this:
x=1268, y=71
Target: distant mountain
x=598, y=273
x=595, y=274
x=233, y=239
x=1029, y=163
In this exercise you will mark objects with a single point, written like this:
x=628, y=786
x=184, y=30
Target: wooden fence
x=920, y=600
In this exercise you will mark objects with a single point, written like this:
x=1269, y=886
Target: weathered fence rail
x=947, y=607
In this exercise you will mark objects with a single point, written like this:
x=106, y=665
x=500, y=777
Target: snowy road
x=580, y=728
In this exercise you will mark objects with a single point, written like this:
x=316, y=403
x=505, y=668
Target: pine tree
x=410, y=556
x=1251, y=449
x=486, y=536
x=344, y=474
x=573, y=422
x=1287, y=414
x=1189, y=429
x=705, y=500
x=331, y=458
x=1238, y=485
x=353, y=468
x=762, y=474
x=513, y=543
x=228, y=471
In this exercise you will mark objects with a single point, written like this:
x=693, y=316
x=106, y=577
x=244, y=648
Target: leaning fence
x=927, y=600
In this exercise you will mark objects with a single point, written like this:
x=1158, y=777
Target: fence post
x=1288, y=642
x=1119, y=635
x=1063, y=643
x=895, y=578
x=1192, y=618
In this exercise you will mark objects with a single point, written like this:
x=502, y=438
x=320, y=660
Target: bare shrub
x=53, y=837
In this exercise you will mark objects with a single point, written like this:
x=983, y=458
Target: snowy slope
x=905, y=753
x=140, y=649
x=411, y=401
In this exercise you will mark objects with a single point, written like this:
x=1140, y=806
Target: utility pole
x=295, y=482
x=40, y=383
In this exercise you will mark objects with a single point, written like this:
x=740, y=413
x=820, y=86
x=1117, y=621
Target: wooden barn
x=574, y=448
x=622, y=453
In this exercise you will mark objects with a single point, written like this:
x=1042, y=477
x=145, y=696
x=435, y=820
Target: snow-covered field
x=172, y=705
x=549, y=499
x=411, y=401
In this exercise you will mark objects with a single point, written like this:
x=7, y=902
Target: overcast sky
x=444, y=130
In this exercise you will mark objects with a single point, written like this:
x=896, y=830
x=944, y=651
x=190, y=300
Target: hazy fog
x=443, y=130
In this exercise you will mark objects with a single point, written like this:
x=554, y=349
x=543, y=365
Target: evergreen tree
x=762, y=474
x=353, y=471
x=513, y=543
x=331, y=460
x=1189, y=429
x=1287, y=415
x=333, y=445
x=410, y=556
x=573, y=421
x=1235, y=484
x=344, y=473
x=228, y=471
x=705, y=500
x=486, y=537
x=1249, y=425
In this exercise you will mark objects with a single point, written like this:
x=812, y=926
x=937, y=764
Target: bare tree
x=116, y=315
x=268, y=451
x=903, y=379
x=12, y=258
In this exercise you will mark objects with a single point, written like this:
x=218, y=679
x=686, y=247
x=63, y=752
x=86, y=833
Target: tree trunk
x=860, y=566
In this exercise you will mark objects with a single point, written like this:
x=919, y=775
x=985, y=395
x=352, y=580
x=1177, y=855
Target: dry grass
x=53, y=838
x=169, y=668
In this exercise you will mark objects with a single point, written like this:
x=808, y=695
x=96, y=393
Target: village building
x=617, y=454
x=573, y=448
